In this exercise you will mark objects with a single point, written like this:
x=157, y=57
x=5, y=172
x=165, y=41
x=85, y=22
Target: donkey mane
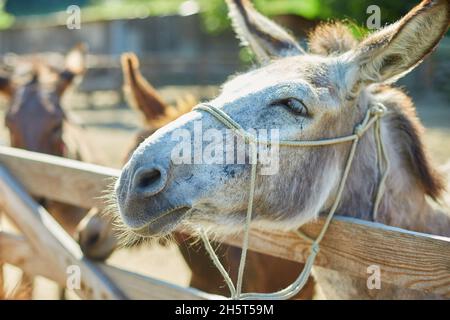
x=331, y=38
x=408, y=132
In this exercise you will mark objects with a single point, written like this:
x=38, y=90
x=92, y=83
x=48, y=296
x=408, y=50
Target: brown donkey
x=307, y=95
x=157, y=113
x=37, y=122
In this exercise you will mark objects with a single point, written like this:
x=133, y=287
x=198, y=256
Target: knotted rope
x=372, y=117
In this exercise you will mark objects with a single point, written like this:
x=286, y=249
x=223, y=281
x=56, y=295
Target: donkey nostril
x=92, y=239
x=148, y=179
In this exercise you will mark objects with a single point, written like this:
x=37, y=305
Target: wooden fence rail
x=17, y=251
x=407, y=259
x=48, y=251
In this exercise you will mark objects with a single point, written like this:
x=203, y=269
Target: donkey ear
x=139, y=93
x=265, y=37
x=75, y=65
x=390, y=53
x=6, y=86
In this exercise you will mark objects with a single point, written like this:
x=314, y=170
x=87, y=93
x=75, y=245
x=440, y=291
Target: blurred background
x=182, y=42
x=185, y=47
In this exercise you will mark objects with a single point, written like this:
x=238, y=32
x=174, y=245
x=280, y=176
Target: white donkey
x=324, y=93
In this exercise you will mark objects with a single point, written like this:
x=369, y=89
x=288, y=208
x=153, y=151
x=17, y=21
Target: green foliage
x=214, y=13
x=357, y=9
x=6, y=20
x=215, y=19
x=26, y=7
x=129, y=9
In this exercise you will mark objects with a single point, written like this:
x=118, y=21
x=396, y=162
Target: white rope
x=217, y=263
x=383, y=161
x=254, y=156
x=372, y=117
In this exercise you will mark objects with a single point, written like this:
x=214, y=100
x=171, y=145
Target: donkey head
x=35, y=117
x=306, y=96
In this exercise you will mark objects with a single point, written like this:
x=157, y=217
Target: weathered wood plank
x=56, y=178
x=51, y=241
x=15, y=250
x=408, y=259
x=144, y=288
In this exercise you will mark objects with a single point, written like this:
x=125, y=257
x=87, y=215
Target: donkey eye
x=295, y=106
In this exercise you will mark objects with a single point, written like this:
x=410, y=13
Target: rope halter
x=372, y=118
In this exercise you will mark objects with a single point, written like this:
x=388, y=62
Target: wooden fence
x=407, y=259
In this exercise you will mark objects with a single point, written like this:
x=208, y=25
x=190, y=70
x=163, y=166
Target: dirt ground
x=111, y=130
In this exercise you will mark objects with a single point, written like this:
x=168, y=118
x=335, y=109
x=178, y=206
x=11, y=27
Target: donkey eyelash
x=293, y=105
